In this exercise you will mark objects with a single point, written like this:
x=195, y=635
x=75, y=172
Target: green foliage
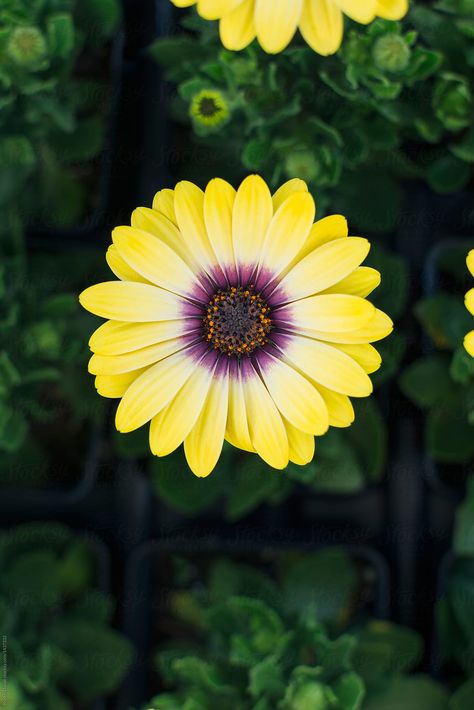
x=346, y=461
x=51, y=117
x=289, y=641
x=393, y=99
x=442, y=382
x=454, y=614
x=57, y=624
x=43, y=379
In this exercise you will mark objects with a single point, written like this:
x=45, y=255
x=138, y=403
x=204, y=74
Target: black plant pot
x=55, y=495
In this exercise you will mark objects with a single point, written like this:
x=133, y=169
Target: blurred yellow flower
x=274, y=22
x=469, y=301
x=236, y=317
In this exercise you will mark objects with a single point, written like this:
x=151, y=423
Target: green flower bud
x=310, y=696
x=452, y=102
x=209, y=108
x=391, y=53
x=302, y=163
x=26, y=46
x=43, y=340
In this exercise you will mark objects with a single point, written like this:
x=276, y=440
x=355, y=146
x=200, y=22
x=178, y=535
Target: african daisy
x=235, y=317
x=274, y=22
x=469, y=301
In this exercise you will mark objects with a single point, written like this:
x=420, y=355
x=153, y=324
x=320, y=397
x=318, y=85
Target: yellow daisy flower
x=235, y=317
x=469, y=301
x=274, y=22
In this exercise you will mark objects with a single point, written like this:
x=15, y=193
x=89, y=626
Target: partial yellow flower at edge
x=235, y=317
x=275, y=22
x=469, y=301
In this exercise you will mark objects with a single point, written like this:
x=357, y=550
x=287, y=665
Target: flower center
x=237, y=321
x=208, y=107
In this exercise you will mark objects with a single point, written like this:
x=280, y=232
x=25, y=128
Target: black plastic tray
x=139, y=591
x=48, y=501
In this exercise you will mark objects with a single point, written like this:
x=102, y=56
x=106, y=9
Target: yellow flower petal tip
x=275, y=22
x=469, y=303
x=235, y=316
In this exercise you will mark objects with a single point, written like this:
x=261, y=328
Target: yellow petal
x=301, y=445
x=377, y=328
x=362, y=11
x=469, y=301
x=470, y=261
x=328, y=366
x=131, y=302
x=267, y=430
x=286, y=190
x=115, y=386
x=392, y=9
x=219, y=200
x=332, y=313
x=164, y=202
x=252, y=214
x=366, y=355
x=120, y=267
x=154, y=260
x=296, y=398
x=237, y=429
x=152, y=391
x=324, y=267
x=237, y=30
x=288, y=231
x=340, y=409
x=361, y=282
x=469, y=343
x=116, y=364
x=323, y=231
x=184, y=3
x=215, y=9
x=116, y=337
x=276, y=22
x=189, y=208
x=203, y=445
x=322, y=26
x=160, y=226
x=171, y=426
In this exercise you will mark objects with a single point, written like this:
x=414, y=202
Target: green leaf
x=464, y=150
x=385, y=648
x=392, y=294
x=83, y=144
x=60, y=33
x=448, y=174
x=350, y=691
x=255, y=153
x=253, y=482
x=412, y=693
x=33, y=579
x=99, y=20
x=426, y=381
x=448, y=434
x=368, y=435
x=179, y=488
x=323, y=583
x=462, y=697
x=463, y=540
x=77, y=568
x=462, y=366
x=100, y=654
x=266, y=679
